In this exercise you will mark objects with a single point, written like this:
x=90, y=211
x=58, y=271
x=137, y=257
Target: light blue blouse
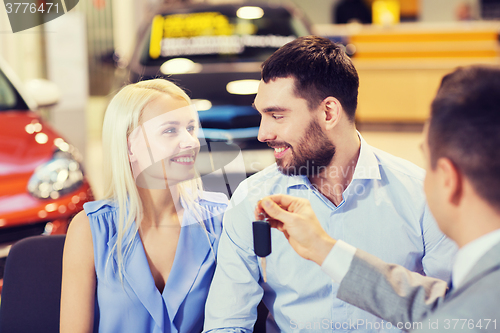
x=136, y=305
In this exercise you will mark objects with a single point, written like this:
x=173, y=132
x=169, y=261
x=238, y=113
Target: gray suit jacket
x=402, y=297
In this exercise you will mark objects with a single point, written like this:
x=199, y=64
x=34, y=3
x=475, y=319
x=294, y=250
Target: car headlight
x=59, y=176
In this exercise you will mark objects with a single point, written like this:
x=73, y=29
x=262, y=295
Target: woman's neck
x=162, y=207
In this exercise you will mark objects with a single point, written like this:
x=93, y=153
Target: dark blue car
x=215, y=52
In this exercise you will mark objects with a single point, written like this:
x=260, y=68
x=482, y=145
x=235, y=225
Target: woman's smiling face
x=164, y=148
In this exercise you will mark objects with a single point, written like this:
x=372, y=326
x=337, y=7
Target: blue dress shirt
x=383, y=212
x=136, y=305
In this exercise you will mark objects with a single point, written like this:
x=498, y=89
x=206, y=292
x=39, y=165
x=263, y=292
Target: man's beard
x=311, y=156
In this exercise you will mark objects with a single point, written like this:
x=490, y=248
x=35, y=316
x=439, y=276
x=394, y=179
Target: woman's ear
x=131, y=156
x=332, y=111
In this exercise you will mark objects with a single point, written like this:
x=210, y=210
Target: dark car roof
x=275, y=12
x=166, y=36
x=226, y=8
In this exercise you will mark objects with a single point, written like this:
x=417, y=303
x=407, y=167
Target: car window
x=8, y=98
x=218, y=36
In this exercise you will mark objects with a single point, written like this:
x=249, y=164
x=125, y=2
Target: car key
x=262, y=240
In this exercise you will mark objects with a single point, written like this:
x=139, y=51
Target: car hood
x=25, y=142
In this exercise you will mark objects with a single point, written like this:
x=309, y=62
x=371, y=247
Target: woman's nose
x=188, y=140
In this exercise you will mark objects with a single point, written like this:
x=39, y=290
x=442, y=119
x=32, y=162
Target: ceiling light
x=250, y=12
x=30, y=129
x=41, y=138
x=243, y=87
x=37, y=127
x=180, y=66
x=61, y=144
x=51, y=207
x=202, y=104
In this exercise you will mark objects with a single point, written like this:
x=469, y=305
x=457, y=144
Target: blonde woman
x=142, y=259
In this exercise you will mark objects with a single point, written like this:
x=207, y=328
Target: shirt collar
x=297, y=181
x=367, y=166
x=470, y=254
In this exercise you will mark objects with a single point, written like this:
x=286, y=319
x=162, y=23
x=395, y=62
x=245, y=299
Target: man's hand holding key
x=298, y=222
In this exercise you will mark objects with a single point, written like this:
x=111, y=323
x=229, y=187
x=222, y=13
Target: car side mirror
x=44, y=92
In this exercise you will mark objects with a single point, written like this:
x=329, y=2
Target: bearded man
x=307, y=99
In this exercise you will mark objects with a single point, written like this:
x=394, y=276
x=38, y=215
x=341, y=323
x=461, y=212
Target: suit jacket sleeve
x=390, y=291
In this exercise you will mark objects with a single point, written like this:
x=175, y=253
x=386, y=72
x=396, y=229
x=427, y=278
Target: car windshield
x=225, y=34
x=8, y=96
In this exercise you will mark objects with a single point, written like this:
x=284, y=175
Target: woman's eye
x=169, y=130
x=191, y=128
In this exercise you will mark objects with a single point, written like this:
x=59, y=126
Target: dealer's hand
x=296, y=219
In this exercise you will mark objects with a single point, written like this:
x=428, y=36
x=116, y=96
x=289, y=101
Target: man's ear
x=452, y=180
x=332, y=111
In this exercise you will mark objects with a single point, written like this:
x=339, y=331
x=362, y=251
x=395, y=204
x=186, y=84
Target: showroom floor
x=402, y=141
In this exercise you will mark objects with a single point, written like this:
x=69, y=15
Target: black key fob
x=261, y=238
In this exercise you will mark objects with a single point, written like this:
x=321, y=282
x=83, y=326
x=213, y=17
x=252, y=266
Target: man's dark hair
x=320, y=69
x=465, y=127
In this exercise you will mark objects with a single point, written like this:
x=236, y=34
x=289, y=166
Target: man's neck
x=473, y=223
x=335, y=178
x=472, y=218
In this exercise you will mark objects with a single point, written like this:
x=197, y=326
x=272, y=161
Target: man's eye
x=276, y=116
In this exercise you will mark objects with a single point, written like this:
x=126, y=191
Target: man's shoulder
x=270, y=172
x=263, y=183
x=477, y=303
x=398, y=166
x=269, y=175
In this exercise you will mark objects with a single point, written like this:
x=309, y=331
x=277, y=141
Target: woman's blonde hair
x=121, y=118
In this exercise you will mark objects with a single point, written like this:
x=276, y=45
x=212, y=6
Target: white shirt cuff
x=338, y=261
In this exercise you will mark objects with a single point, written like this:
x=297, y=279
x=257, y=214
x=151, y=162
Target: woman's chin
x=181, y=177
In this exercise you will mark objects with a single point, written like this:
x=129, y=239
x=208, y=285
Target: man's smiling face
x=287, y=125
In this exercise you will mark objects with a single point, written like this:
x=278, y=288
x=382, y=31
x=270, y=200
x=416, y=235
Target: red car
x=42, y=185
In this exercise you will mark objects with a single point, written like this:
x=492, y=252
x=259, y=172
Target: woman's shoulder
x=102, y=217
x=213, y=205
x=99, y=206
